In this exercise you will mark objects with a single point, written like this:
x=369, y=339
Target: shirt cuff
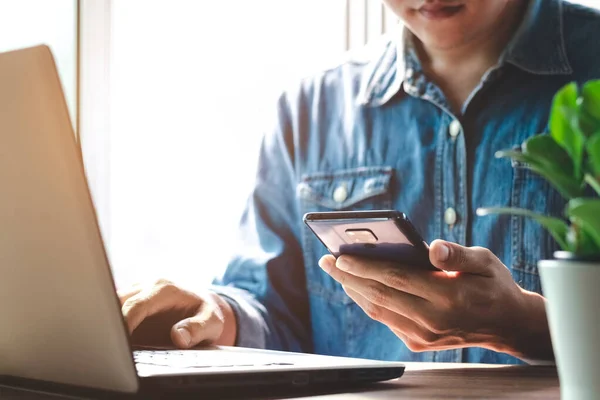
x=251, y=326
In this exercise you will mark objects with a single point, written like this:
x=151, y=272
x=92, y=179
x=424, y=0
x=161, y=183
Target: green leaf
x=564, y=124
x=591, y=98
x=580, y=241
x=593, y=152
x=585, y=213
x=588, y=124
x=548, y=154
x=567, y=186
x=557, y=227
x=593, y=182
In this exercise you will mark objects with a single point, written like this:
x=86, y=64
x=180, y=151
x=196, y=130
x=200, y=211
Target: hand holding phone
x=384, y=235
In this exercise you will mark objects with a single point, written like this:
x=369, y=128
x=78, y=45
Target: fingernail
x=342, y=264
x=325, y=264
x=185, y=336
x=442, y=252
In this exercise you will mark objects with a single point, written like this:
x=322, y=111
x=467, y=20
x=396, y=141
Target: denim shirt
x=375, y=126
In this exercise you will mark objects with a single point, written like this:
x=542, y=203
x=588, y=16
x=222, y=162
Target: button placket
x=453, y=198
x=451, y=181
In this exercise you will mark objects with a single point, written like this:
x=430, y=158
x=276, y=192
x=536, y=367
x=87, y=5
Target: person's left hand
x=473, y=301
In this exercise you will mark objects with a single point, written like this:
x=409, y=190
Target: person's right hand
x=163, y=312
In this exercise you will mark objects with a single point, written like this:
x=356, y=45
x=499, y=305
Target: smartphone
x=382, y=234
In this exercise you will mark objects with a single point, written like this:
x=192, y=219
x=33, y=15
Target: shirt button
x=340, y=194
x=455, y=128
x=450, y=216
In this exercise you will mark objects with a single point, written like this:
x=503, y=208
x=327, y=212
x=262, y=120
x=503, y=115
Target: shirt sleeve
x=265, y=280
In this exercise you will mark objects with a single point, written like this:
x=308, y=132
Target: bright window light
x=26, y=23
x=192, y=83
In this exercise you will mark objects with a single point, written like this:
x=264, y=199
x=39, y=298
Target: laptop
x=60, y=317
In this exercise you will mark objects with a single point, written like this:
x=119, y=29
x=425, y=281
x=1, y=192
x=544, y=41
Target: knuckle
x=438, y=326
x=485, y=255
x=162, y=282
x=378, y=295
x=396, y=278
x=414, y=346
x=429, y=338
x=373, y=311
x=197, y=325
x=166, y=288
x=461, y=256
x=133, y=306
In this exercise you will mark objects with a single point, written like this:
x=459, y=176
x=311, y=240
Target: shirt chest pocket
x=366, y=188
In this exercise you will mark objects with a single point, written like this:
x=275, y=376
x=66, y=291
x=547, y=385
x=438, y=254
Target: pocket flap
x=342, y=189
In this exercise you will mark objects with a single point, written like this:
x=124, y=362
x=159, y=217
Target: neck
x=459, y=69
x=485, y=49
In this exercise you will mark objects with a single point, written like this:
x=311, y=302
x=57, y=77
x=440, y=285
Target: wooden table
x=420, y=381
x=464, y=381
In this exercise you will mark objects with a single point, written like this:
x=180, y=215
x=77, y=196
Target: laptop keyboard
x=206, y=359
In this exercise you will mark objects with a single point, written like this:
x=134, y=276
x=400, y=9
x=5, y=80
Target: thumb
x=205, y=327
x=454, y=257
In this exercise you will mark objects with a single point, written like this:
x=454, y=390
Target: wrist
x=530, y=339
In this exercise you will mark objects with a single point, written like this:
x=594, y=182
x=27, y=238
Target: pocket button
x=340, y=194
x=304, y=190
x=450, y=216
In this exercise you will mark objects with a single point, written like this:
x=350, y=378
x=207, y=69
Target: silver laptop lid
x=60, y=318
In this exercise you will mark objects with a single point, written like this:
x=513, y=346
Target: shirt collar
x=537, y=47
x=384, y=75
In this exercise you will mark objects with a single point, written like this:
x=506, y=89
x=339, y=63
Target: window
x=589, y=3
x=191, y=83
x=26, y=23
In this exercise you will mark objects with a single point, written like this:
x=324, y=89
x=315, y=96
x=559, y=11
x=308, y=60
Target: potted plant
x=569, y=159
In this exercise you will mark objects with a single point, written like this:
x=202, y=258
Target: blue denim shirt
x=376, y=126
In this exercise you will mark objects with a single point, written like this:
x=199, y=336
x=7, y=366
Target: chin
x=441, y=40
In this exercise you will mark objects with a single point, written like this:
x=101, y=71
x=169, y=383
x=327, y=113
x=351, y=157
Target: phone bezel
x=399, y=218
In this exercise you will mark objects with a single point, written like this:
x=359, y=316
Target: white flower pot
x=572, y=289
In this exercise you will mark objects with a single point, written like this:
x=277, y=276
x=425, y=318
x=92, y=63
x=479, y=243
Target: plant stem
x=590, y=180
